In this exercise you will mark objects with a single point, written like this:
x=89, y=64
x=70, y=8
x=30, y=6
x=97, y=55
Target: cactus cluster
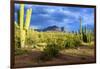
x=23, y=26
x=84, y=33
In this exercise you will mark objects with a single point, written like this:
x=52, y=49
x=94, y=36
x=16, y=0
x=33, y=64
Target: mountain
x=51, y=28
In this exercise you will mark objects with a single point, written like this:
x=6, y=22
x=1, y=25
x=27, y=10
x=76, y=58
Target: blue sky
x=61, y=16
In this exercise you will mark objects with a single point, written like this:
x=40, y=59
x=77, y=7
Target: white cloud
x=51, y=10
x=62, y=11
x=45, y=15
x=34, y=27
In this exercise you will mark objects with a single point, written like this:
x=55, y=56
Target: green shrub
x=69, y=43
x=31, y=39
x=51, y=50
x=77, y=41
x=31, y=42
x=17, y=42
x=19, y=51
x=17, y=38
x=72, y=42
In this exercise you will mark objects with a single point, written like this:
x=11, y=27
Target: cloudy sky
x=61, y=16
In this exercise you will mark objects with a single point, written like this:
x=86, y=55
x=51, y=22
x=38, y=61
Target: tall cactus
x=23, y=27
x=84, y=34
x=80, y=27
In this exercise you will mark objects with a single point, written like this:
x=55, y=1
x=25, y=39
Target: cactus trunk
x=23, y=27
x=81, y=28
x=22, y=38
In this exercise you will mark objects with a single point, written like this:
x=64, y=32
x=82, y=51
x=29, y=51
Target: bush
x=31, y=39
x=30, y=42
x=69, y=43
x=17, y=42
x=19, y=51
x=72, y=42
x=77, y=41
x=51, y=50
x=17, y=38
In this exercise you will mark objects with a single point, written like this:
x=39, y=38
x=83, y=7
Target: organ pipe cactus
x=23, y=27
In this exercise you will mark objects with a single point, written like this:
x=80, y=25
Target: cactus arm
x=81, y=27
x=28, y=18
x=22, y=38
x=21, y=16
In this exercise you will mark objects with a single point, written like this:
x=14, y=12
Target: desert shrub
x=17, y=42
x=17, y=38
x=19, y=51
x=60, y=42
x=51, y=50
x=61, y=39
x=30, y=42
x=31, y=39
x=72, y=42
x=69, y=43
x=77, y=41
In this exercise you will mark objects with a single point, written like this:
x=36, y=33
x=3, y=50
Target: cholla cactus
x=23, y=27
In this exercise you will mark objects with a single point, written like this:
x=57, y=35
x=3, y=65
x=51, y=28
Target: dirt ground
x=31, y=59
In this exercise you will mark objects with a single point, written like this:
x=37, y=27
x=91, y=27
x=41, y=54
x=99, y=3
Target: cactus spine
x=23, y=27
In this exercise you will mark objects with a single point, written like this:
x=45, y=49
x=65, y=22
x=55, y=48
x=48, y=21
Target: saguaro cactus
x=80, y=27
x=23, y=27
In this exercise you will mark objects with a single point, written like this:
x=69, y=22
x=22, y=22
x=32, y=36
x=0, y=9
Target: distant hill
x=51, y=28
